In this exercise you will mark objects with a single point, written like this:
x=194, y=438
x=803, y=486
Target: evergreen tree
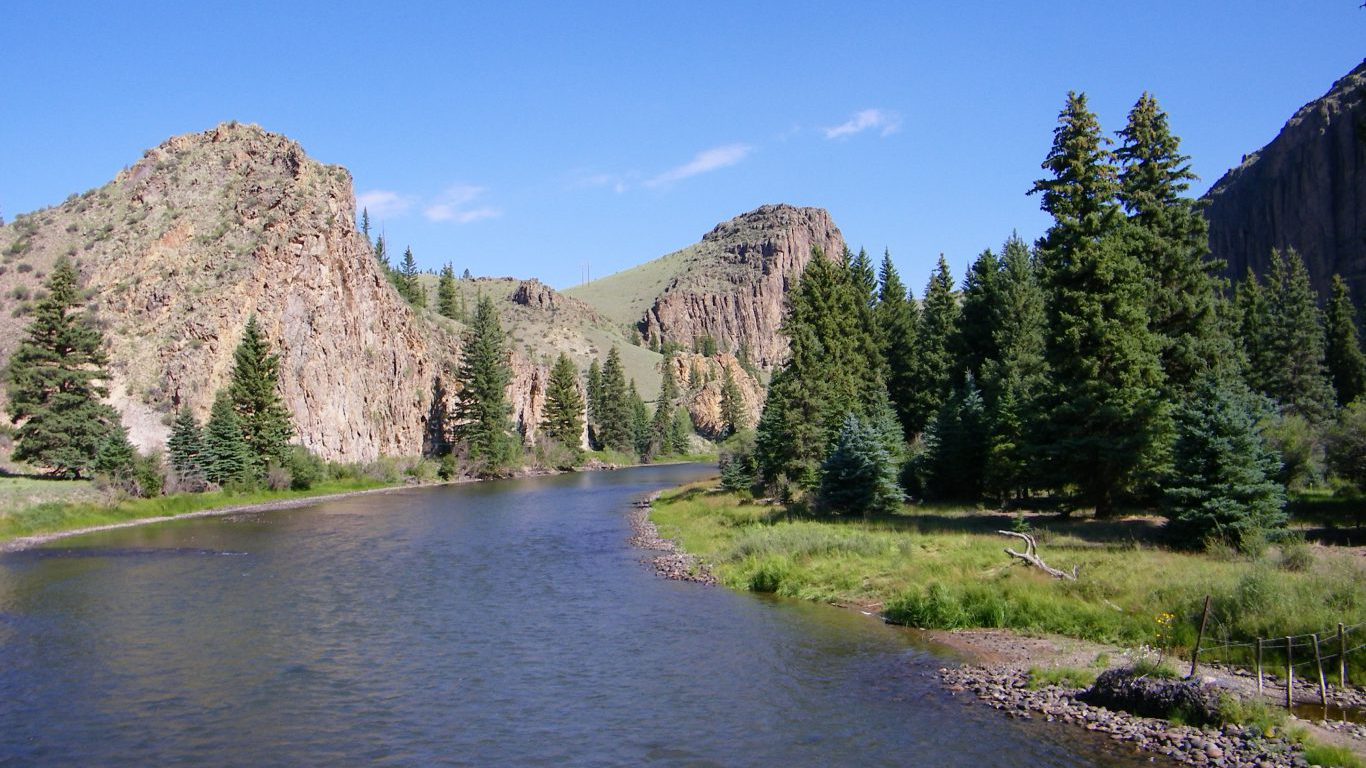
x=732, y=405
x=642, y=436
x=1293, y=338
x=1013, y=382
x=445, y=294
x=481, y=407
x=254, y=389
x=859, y=477
x=958, y=445
x=1345, y=446
x=931, y=374
x=409, y=284
x=1221, y=486
x=563, y=417
x=382, y=254
x=833, y=368
x=1172, y=239
x=226, y=457
x=663, y=419
x=116, y=459
x=614, y=409
x=1346, y=363
x=897, y=316
x=185, y=448
x=1252, y=312
x=1106, y=425
x=863, y=276
x=56, y=378
x=594, y=398
x=365, y=223
x=976, y=336
x=680, y=433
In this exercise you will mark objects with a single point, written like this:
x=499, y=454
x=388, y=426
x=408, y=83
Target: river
x=499, y=623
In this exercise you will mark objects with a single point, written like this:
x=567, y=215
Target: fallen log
x=1031, y=557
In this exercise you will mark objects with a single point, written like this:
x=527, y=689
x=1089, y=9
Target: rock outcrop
x=701, y=378
x=209, y=229
x=736, y=280
x=1305, y=190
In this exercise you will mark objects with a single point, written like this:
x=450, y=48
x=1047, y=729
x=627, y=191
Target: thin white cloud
x=704, y=162
x=886, y=123
x=383, y=203
x=456, y=204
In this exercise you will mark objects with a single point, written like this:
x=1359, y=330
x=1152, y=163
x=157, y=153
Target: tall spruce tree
x=1346, y=363
x=959, y=445
x=1172, y=241
x=931, y=374
x=1293, y=339
x=642, y=436
x=365, y=223
x=1107, y=422
x=614, y=406
x=445, y=293
x=481, y=408
x=382, y=254
x=594, y=398
x=663, y=419
x=56, y=378
x=897, y=316
x=680, y=432
x=732, y=405
x=226, y=456
x=185, y=450
x=409, y=284
x=975, y=340
x=562, y=420
x=1252, y=313
x=254, y=388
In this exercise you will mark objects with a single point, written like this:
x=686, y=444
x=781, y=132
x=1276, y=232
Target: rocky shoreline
x=671, y=562
x=1229, y=746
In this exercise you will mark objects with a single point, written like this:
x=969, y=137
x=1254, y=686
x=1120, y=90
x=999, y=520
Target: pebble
x=671, y=563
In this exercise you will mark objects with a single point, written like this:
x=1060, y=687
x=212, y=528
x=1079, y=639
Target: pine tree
x=382, y=254
x=56, y=378
x=409, y=284
x=481, y=408
x=1293, y=339
x=445, y=294
x=116, y=458
x=680, y=433
x=226, y=456
x=863, y=276
x=1221, y=486
x=1013, y=382
x=897, y=316
x=185, y=449
x=254, y=389
x=562, y=420
x=931, y=375
x=664, y=408
x=1106, y=423
x=614, y=409
x=732, y=405
x=975, y=340
x=859, y=475
x=1346, y=363
x=594, y=398
x=365, y=223
x=1172, y=239
x=958, y=450
x=642, y=436
x=1253, y=314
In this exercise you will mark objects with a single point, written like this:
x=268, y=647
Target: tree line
x=1106, y=366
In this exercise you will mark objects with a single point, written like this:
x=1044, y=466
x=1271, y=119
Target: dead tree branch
x=1031, y=556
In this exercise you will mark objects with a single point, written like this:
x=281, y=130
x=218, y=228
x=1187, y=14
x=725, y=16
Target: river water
x=502, y=623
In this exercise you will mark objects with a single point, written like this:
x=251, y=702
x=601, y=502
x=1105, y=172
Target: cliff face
x=207, y=230
x=739, y=274
x=1305, y=190
x=704, y=401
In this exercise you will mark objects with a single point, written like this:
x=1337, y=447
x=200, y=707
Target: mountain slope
x=1306, y=189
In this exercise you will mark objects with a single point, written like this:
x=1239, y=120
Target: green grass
x=944, y=568
x=1067, y=677
x=17, y=492
x=57, y=516
x=1331, y=756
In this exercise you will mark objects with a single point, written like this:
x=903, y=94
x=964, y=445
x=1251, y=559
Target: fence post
x=1318, y=662
x=1289, y=675
x=1342, y=657
x=1259, y=666
x=1200, y=636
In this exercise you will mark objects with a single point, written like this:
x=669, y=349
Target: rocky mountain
x=209, y=229
x=1305, y=190
x=729, y=287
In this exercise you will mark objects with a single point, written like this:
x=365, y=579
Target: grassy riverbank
x=944, y=568
x=59, y=516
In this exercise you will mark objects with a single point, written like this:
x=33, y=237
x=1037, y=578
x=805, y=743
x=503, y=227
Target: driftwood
x=1031, y=556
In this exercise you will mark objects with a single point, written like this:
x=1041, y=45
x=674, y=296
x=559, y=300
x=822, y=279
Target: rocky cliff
x=203, y=232
x=729, y=287
x=1305, y=190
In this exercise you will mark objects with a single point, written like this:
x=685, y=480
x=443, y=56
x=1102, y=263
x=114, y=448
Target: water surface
x=503, y=623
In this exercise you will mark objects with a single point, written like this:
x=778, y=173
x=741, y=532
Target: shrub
x=305, y=469
x=1294, y=439
x=1345, y=446
x=278, y=478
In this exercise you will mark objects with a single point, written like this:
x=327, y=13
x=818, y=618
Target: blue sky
x=530, y=139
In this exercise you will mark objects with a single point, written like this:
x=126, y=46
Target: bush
x=1295, y=440
x=1345, y=446
x=278, y=478
x=305, y=469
